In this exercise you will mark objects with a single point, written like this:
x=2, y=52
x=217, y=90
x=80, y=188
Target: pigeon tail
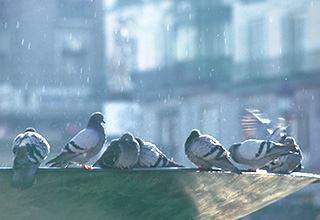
x=225, y=164
x=23, y=178
x=60, y=160
x=281, y=149
x=173, y=164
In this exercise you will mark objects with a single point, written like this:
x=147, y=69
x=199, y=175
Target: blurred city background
x=161, y=68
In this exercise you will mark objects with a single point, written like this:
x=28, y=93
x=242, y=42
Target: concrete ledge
x=164, y=193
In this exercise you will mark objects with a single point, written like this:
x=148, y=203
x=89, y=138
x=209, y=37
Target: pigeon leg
x=87, y=167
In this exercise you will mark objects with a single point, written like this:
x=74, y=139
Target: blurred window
x=257, y=39
x=294, y=34
x=169, y=131
x=186, y=42
x=210, y=122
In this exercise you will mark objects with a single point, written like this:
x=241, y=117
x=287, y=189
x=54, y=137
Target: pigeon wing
x=79, y=145
x=149, y=155
x=254, y=124
x=111, y=156
x=207, y=148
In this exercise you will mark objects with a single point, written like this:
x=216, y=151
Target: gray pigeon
x=84, y=145
x=287, y=163
x=30, y=149
x=121, y=153
x=257, y=153
x=205, y=152
x=150, y=156
x=256, y=125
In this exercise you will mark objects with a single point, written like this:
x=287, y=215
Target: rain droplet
x=271, y=19
x=5, y=25
x=26, y=86
x=22, y=42
x=29, y=45
x=81, y=69
x=88, y=79
x=18, y=24
x=168, y=27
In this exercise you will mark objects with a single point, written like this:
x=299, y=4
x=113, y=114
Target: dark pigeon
x=121, y=153
x=289, y=163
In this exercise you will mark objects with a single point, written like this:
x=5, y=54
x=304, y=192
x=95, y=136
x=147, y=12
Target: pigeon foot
x=87, y=167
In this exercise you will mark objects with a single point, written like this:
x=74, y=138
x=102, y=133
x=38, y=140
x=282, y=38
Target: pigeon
x=288, y=163
x=30, y=149
x=257, y=153
x=256, y=125
x=84, y=145
x=150, y=156
x=205, y=152
x=121, y=153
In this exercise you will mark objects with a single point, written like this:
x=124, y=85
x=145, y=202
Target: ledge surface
x=164, y=193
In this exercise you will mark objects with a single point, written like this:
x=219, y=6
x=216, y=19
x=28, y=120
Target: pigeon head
x=30, y=129
x=96, y=119
x=290, y=141
x=127, y=137
x=194, y=134
x=234, y=147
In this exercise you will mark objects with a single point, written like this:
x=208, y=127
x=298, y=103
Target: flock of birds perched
x=262, y=148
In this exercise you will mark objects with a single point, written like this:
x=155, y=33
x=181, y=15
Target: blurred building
x=197, y=64
x=52, y=69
